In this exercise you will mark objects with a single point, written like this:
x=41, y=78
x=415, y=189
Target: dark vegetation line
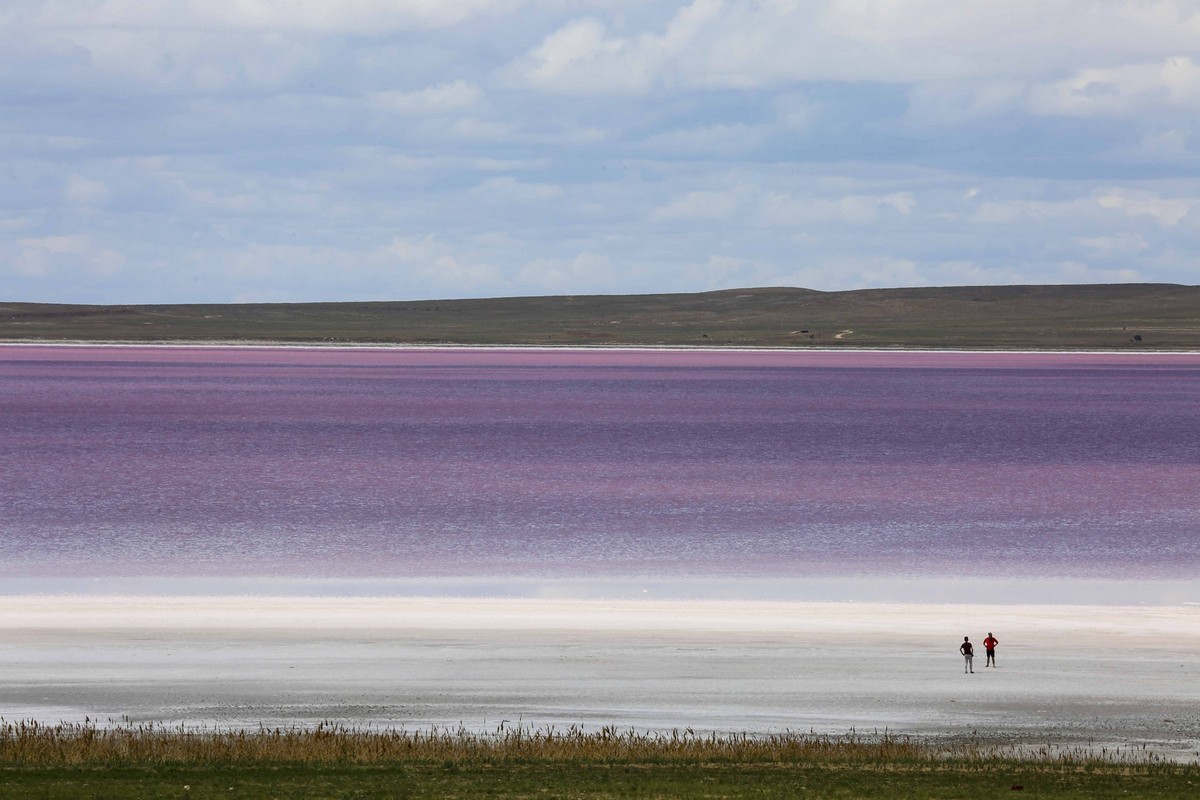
x=138, y=761
x=33, y=744
x=1102, y=316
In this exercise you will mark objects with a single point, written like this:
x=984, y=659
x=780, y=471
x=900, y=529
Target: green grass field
x=1115, y=316
x=134, y=762
x=535, y=779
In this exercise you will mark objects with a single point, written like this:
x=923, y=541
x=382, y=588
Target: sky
x=245, y=150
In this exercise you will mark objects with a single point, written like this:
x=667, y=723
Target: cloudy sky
x=247, y=150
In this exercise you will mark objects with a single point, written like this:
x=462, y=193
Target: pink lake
x=384, y=463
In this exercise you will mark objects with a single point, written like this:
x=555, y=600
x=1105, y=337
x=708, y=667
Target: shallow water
x=395, y=464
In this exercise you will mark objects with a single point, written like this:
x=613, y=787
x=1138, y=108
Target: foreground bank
x=329, y=761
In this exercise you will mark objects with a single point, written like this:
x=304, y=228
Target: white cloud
x=508, y=189
x=883, y=272
x=441, y=99
x=475, y=129
x=176, y=58
x=794, y=112
x=703, y=205
x=410, y=251
x=586, y=272
x=1135, y=202
x=1123, y=90
x=82, y=191
x=416, y=267
x=344, y=16
x=747, y=44
x=14, y=224
x=213, y=46
x=1119, y=245
x=1002, y=212
x=890, y=272
x=382, y=148
x=732, y=272
x=708, y=140
x=958, y=61
x=40, y=142
x=1076, y=272
x=583, y=57
x=449, y=274
x=63, y=256
x=969, y=272
x=949, y=101
x=429, y=263
x=1170, y=146
x=438, y=163
x=903, y=202
x=578, y=57
x=855, y=209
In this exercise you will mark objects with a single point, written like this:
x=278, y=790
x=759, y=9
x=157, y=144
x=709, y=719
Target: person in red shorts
x=989, y=644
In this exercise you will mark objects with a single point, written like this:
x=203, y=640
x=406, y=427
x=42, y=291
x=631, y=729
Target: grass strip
x=562, y=779
x=120, y=761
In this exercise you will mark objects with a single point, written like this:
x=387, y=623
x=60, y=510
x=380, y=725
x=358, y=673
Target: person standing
x=989, y=646
x=968, y=652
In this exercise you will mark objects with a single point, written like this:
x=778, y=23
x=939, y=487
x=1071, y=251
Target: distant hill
x=1108, y=316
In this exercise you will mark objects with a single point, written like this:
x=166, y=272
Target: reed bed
x=33, y=744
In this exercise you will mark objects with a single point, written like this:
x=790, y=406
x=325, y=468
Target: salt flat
x=1066, y=673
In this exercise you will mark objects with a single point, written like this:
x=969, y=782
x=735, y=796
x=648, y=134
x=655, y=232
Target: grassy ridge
x=334, y=761
x=1132, y=316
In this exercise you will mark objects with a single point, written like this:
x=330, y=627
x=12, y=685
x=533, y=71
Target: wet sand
x=1066, y=674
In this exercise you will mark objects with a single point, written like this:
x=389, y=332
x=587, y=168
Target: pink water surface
x=386, y=462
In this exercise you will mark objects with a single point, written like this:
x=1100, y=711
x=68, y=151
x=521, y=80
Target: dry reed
x=31, y=744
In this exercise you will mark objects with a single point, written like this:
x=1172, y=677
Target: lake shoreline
x=863, y=587
x=1072, y=675
x=284, y=344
